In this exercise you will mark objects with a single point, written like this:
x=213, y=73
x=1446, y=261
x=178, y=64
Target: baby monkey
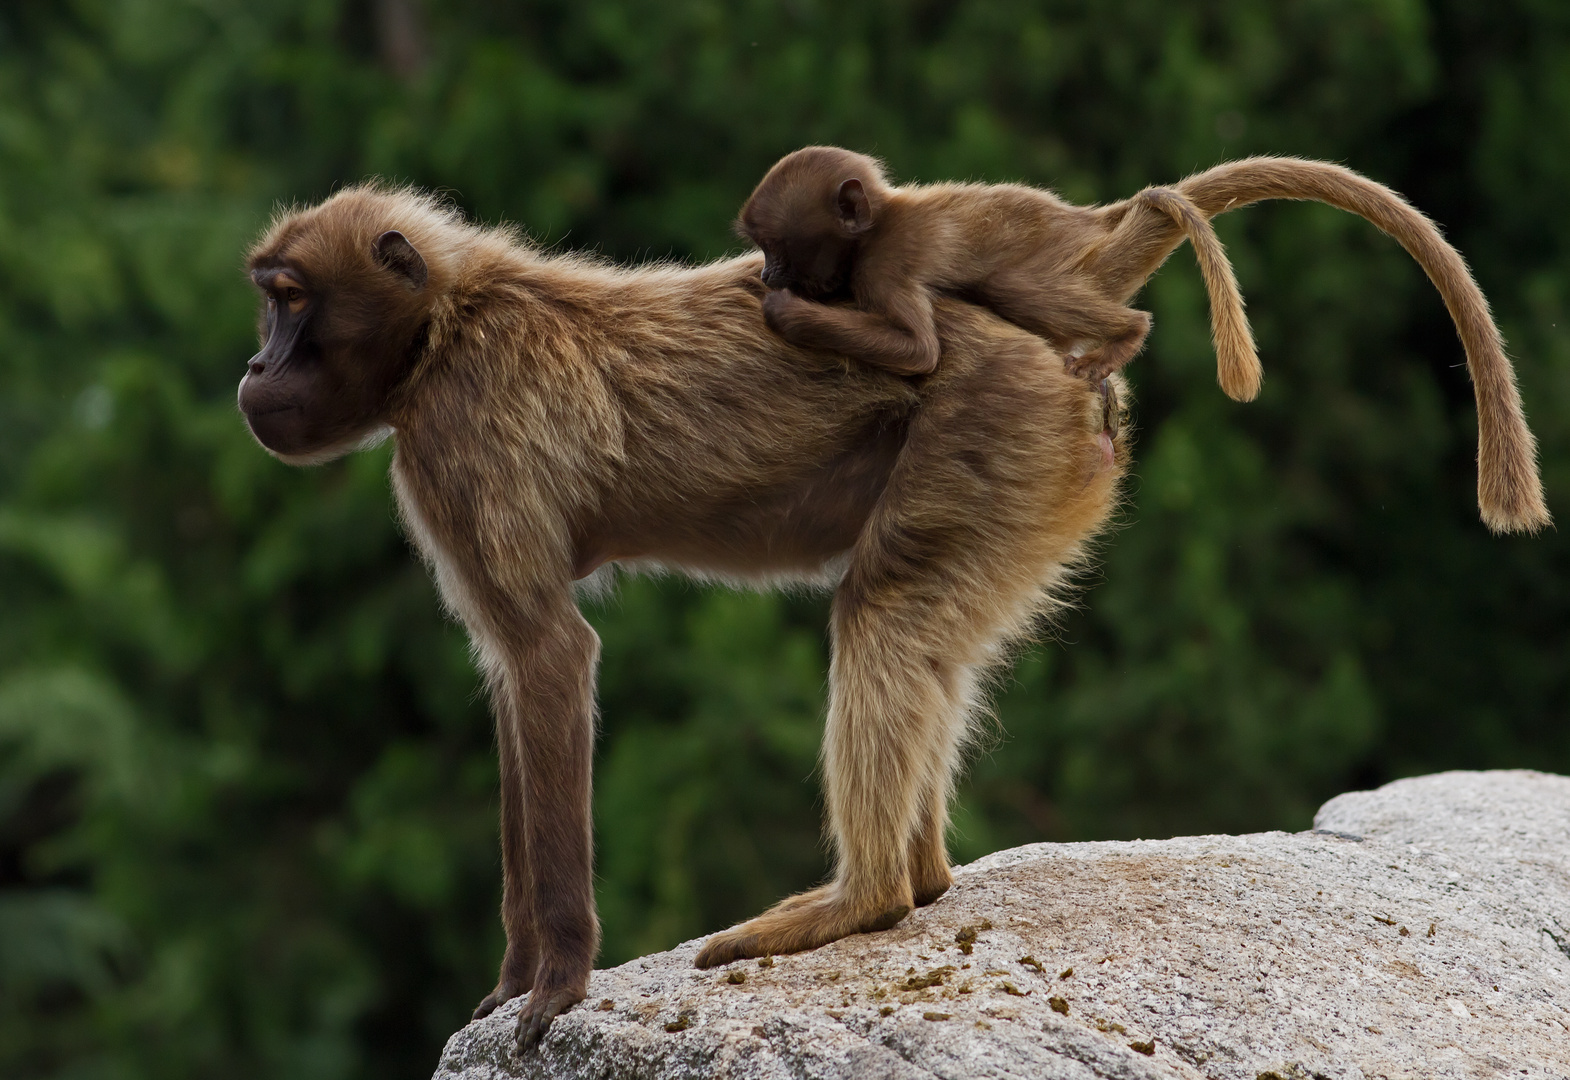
x=831, y=227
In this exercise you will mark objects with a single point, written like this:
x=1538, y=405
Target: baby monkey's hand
x=777, y=307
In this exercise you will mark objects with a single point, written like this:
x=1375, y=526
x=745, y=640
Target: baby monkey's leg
x=1097, y=335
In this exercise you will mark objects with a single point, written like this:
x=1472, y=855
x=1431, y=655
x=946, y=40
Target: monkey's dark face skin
x=809, y=225
x=320, y=385
x=814, y=266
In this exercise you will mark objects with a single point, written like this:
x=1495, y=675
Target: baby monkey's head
x=808, y=215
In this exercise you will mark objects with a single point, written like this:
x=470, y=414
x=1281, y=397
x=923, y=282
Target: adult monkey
x=553, y=414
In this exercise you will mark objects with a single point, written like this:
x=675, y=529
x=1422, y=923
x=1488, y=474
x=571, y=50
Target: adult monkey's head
x=348, y=293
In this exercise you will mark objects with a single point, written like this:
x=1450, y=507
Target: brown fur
x=830, y=224
x=1509, y=492
x=554, y=413
x=1093, y=259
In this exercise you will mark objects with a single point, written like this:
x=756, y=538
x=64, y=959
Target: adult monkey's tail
x=1509, y=491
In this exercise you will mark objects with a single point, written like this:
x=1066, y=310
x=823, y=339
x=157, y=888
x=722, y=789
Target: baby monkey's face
x=807, y=245
x=808, y=215
x=813, y=266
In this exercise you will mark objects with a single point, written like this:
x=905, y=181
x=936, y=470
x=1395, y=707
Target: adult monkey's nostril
x=257, y=366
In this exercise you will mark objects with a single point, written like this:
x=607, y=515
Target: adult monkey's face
x=336, y=338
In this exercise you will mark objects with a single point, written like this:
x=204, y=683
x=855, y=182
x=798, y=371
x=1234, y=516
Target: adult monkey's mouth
x=270, y=410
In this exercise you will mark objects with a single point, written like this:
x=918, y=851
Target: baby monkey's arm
x=894, y=332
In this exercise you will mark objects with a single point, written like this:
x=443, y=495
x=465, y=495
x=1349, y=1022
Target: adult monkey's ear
x=854, y=210
x=393, y=250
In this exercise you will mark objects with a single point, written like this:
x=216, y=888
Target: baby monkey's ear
x=854, y=210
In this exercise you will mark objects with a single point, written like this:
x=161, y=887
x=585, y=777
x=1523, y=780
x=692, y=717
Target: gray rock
x=1421, y=930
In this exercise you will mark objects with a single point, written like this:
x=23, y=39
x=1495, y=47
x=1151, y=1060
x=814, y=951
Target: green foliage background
x=247, y=791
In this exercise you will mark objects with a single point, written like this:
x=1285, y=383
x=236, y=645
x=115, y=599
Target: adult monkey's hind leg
x=1000, y=480
x=885, y=707
x=928, y=855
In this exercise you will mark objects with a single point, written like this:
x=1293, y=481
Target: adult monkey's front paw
x=517, y=976
x=505, y=991
x=799, y=923
x=544, y=1005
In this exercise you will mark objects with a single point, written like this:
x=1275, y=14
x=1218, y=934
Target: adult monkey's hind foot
x=798, y=923
x=930, y=878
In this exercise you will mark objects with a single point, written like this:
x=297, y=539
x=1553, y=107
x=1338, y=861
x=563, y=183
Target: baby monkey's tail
x=1237, y=360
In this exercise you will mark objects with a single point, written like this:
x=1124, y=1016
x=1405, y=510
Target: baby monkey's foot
x=1096, y=365
x=1111, y=355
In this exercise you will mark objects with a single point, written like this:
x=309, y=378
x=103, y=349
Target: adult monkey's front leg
x=542, y=680
x=522, y=956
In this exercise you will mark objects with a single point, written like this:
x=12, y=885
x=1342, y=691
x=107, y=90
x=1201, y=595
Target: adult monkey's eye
x=292, y=294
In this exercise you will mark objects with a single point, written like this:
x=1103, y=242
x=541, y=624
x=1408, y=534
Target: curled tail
x=1508, y=489
x=1509, y=492
x=1237, y=360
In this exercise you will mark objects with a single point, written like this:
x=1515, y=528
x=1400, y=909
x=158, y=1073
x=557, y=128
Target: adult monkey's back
x=1509, y=492
x=553, y=414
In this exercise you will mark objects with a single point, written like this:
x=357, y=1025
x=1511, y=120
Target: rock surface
x=1422, y=930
